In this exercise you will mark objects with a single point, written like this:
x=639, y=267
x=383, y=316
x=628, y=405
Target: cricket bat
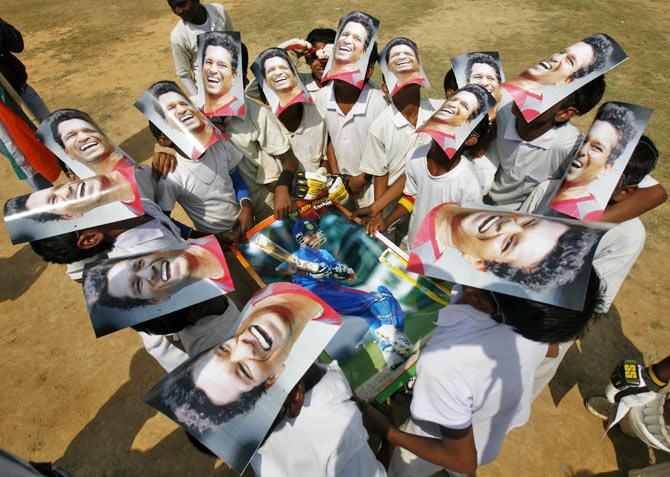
x=275, y=251
x=384, y=259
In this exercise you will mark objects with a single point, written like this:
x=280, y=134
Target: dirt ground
x=75, y=400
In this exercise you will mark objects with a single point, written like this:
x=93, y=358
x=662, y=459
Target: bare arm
x=635, y=203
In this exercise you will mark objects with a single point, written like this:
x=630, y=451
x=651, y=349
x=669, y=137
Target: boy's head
x=641, y=163
x=450, y=84
x=316, y=59
x=163, y=140
x=73, y=246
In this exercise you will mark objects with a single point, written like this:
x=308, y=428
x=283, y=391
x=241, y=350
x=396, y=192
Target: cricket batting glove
x=325, y=52
x=633, y=385
x=337, y=191
x=296, y=44
x=309, y=185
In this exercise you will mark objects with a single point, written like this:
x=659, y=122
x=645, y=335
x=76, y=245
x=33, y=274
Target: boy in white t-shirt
x=433, y=179
x=319, y=432
x=210, y=189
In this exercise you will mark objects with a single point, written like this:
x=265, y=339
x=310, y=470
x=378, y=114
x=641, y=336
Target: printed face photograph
x=595, y=170
x=401, y=65
x=166, y=105
x=220, y=88
x=82, y=201
x=349, y=60
x=227, y=397
x=83, y=141
x=494, y=248
x=279, y=80
x=457, y=110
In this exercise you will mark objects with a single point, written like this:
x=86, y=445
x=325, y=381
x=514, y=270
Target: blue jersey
x=315, y=256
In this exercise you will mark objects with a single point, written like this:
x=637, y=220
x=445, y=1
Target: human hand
x=377, y=418
x=376, y=224
x=246, y=218
x=356, y=183
x=282, y=201
x=162, y=164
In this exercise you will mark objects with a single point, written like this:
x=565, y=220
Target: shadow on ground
x=106, y=441
x=139, y=146
x=19, y=272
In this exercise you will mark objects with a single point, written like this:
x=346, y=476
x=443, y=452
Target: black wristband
x=286, y=178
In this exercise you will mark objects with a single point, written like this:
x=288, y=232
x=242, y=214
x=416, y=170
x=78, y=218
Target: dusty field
x=70, y=398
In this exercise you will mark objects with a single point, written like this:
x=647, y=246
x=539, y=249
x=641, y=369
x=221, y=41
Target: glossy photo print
x=546, y=83
x=168, y=107
x=540, y=258
x=126, y=291
x=229, y=396
x=594, y=172
x=386, y=311
x=77, y=205
x=81, y=144
x=219, y=74
x=356, y=36
x=480, y=67
x=401, y=65
x=279, y=80
x=451, y=124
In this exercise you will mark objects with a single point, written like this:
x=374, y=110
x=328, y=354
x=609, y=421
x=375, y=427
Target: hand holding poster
x=168, y=107
x=401, y=65
x=220, y=77
x=546, y=83
x=356, y=37
x=595, y=170
x=81, y=144
x=102, y=199
x=229, y=396
x=540, y=258
x=279, y=79
x=125, y=291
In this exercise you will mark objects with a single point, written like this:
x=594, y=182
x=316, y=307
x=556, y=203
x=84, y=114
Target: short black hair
x=603, y=48
x=482, y=98
x=245, y=58
x=559, y=267
x=19, y=205
x=450, y=81
x=193, y=408
x=400, y=41
x=160, y=88
x=374, y=55
x=61, y=115
x=642, y=162
x=224, y=40
x=546, y=323
x=96, y=283
x=63, y=248
x=483, y=58
x=588, y=96
x=623, y=120
x=321, y=35
x=155, y=131
x=275, y=52
x=363, y=19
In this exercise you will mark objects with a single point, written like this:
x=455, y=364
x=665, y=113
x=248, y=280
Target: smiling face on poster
x=546, y=260
x=229, y=396
x=76, y=205
x=595, y=170
x=125, y=291
x=482, y=68
x=81, y=144
x=166, y=105
x=546, y=83
x=356, y=36
x=401, y=65
x=220, y=76
x=451, y=125
x=279, y=79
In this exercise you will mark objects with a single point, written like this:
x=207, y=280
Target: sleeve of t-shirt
x=374, y=159
x=647, y=181
x=410, y=183
x=443, y=397
x=182, y=62
x=270, y=136
x=167, y=193
x=224, y=14
x=353, y=455
x=234, y=156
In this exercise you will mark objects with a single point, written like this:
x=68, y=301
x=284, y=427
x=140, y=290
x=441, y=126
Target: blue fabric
x=241, y=189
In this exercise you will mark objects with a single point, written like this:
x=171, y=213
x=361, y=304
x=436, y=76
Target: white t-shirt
x=458, y=185
x=204, y=188
x=327, y=439
x=475, y=371
x=391, y=139
x=309, y=141
x=258, y=136
x=522, y=165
